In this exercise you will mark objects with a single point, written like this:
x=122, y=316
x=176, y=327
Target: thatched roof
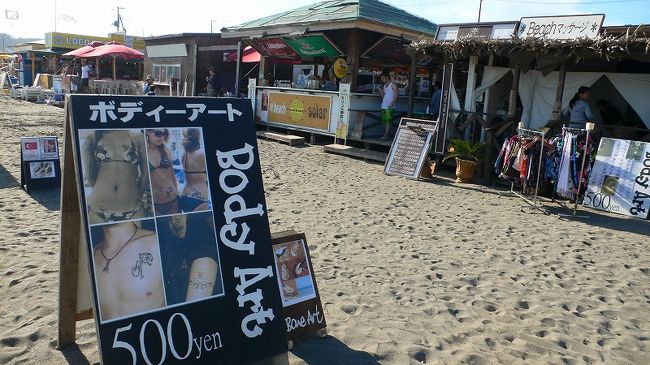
x=611, y=46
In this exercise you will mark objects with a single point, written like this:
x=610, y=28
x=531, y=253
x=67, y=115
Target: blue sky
x=147, y=17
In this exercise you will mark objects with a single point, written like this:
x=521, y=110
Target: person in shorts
x=85, y=77
x=389, y=95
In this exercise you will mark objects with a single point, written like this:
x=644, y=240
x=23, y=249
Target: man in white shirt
x=85, y=76
x=389, y=95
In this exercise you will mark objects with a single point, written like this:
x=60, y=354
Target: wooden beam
x=69, y=245
x=412, y=84
x=354, y=56
x=512, y=102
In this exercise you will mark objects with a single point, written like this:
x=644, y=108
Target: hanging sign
x=311, y=111
x=340, y=68
x=620, y=179
x=316, y=45
x=443, y=116
x=179, y=254
x=40, y=165
x=272, y=47
x=561, y=27
x=410, y=147
x=302, y=307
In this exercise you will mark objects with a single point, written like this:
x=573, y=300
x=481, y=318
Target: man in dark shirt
x=608, y=113
x=434, y=108
x=214, y=84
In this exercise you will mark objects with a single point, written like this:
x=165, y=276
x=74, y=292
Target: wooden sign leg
x=69, y=258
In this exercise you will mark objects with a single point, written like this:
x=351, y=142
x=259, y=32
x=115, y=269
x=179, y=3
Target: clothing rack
x=587, y=130
x=533, y=133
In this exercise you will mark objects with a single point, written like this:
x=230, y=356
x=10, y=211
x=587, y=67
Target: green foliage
x=465, y=150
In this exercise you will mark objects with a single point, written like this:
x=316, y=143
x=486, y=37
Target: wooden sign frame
x=425, y=129
x=76, y=266
x=304, y=319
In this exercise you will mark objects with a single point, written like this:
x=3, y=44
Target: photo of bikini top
x=129, y=154
x=165, y=162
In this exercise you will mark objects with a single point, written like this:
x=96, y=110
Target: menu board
x=410, y=147
x=620, y=178
x=176, y=232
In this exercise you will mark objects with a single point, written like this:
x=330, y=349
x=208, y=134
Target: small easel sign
x=168, y=281
x=39, y=163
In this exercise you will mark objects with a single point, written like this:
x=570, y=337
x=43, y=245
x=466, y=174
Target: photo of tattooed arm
x=127, y=269
x=189, y=254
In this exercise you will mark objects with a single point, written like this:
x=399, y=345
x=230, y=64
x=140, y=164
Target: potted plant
x=467, y=156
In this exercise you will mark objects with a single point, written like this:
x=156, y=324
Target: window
x=165, y=73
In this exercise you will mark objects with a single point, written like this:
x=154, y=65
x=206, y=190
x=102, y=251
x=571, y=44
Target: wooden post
x=97, y=77
x=238, y=69
x=33, y=68
x=354, y=57
x=412, y=84
x=559, y=93
x=70, y=236
x=114, y=69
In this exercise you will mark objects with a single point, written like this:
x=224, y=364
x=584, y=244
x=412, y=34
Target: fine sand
x=409, y=272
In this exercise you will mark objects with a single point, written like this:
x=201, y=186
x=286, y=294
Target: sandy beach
x=409, y=272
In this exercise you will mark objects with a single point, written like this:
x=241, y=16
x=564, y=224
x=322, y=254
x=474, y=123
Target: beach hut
x=307, y=53
x=530, y=78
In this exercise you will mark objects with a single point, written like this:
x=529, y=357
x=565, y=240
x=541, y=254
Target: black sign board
x=475, y=32
x=445, y=99
x=410, y=147
x=176, y=231
x=40, y=167
x=303, y=311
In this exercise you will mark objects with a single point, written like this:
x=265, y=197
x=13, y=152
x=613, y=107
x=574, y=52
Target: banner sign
x=620, y=179
x=410, y=147
x=303, y=110
x=176, y=231
x=313, y=46
x=303, y=310
x=561, y=27
x=272, y=47
x=74, y=41
x=344, y=112
x=443, y=116
x=40, y=165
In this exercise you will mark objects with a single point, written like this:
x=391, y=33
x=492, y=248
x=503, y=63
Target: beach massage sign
x=177, y=236
x=620, y=179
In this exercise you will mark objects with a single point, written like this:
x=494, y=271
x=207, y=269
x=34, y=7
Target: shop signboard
x=561, y=27
x=40, y=165
x=475, y=32
x=410, y=147
x=620, y=179
x=175, y=280
x=302, y=308
x=445, y=100
x=311, y=111
x=272, y=47
x=316, y=45
x=74, y=41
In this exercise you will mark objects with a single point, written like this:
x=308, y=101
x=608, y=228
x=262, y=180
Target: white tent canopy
x=537, y=92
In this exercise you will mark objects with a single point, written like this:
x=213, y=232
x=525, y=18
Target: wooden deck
x=356, y=152
x=289, y=139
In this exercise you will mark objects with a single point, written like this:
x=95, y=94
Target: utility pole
x=212, y=22
x=119, y=20
x=480, y=6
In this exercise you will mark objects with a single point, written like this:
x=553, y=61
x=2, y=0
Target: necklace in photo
x=108, y=260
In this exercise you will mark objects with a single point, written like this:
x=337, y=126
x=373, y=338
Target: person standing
x=214, y=85
x=389, y=95
x=578, y=109
x=434, y=108
x=148, y=83
x=85, y=76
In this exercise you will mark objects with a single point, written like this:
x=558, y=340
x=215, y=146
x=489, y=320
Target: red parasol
x=114, y=50
x=249, y=55
x=83, y=50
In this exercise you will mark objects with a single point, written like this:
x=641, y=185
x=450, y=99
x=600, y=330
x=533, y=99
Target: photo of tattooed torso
x=128, y=268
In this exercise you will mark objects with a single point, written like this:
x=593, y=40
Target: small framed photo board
x=301, y=304
x=40, y=167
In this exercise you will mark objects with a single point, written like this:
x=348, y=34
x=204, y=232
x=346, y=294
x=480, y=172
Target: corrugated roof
x=343, y=10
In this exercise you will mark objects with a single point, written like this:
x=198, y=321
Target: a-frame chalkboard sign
x=410, y=147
